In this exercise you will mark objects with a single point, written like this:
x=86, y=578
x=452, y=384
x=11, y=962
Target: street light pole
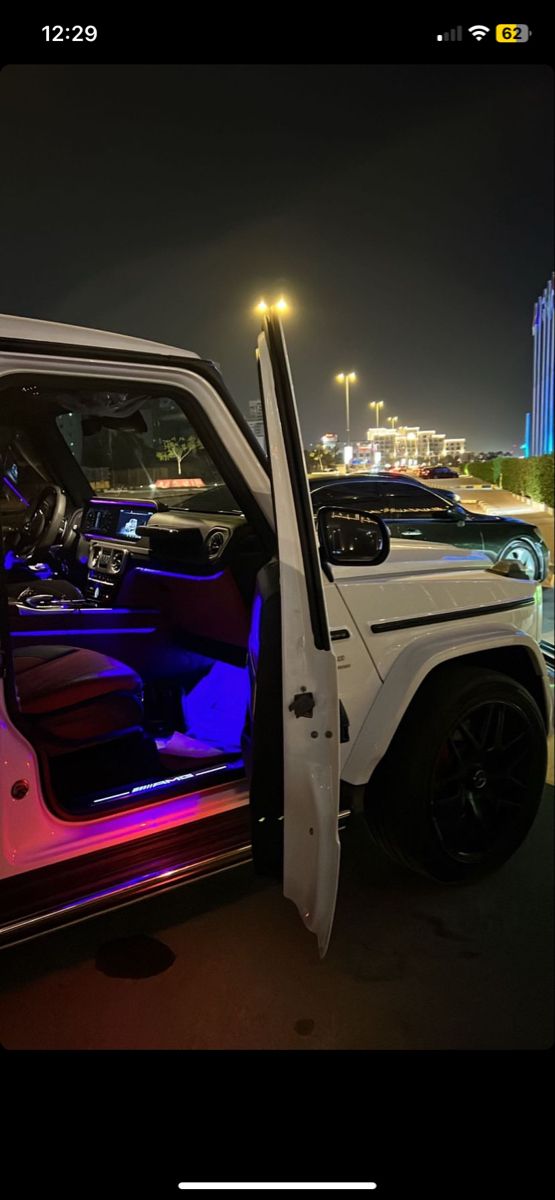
x=377, y=404
x=346, y=378
x=347, y=414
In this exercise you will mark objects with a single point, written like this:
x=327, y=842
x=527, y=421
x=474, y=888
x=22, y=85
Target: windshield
x=150, y=451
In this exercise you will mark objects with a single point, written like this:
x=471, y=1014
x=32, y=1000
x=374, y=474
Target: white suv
x=183, y=691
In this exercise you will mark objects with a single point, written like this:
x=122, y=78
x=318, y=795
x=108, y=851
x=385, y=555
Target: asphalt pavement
x=411, y=966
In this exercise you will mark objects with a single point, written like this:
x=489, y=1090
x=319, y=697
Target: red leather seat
x=76, y=696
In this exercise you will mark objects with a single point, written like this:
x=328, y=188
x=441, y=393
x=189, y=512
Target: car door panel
x=310, y=701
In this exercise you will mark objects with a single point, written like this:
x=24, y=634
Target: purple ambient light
x=144, y=788
x=178, y=574
x=124, y=503
x=13, y=488
x=32, y=612
x=83, y=632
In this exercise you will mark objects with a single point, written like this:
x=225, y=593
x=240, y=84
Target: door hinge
x=303, y=704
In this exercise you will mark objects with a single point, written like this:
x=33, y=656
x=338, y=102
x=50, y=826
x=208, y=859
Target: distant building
x=455, y=447
x=540, y=440
x=329, y=440
x=409, y=445
x=256, y=422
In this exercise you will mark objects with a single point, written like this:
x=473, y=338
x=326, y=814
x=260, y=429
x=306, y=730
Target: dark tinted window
x=408, y=501
x=367, y=498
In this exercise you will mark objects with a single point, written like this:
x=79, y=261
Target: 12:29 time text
x=75, y=33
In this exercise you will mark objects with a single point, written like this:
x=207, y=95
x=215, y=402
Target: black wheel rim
x=480, y=781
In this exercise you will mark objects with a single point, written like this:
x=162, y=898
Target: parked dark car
x=387, y=476
x=438, y=473
x=413, y=510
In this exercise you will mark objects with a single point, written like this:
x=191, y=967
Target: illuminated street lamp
x=392, y=421
x=281, y=306
x=347, y=378
x=377, y=404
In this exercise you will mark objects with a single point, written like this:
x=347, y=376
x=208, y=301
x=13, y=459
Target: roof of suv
x=28, y=330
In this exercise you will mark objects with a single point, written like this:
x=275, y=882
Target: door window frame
x=185, y=394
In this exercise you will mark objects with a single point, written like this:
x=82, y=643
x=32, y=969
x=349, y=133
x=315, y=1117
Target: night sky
x=406, y=212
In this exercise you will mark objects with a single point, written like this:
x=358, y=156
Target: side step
x=69, y=891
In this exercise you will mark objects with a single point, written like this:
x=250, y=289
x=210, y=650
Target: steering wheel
x=44, y=522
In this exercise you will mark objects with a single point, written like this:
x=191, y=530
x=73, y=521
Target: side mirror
x=455, y=513
x=352, y=537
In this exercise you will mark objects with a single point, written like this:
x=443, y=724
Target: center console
x=114, y=523
x=106, y=567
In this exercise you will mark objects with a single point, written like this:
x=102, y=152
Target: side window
x=410, y=502
x=359, y=497
x=147, y=448
x=321, y=498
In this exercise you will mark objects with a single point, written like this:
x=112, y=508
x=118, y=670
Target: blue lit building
x=540, y=440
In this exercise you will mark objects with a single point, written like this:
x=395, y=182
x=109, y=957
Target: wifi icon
x=478, y=31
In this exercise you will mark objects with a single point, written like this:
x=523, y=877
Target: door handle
x=411, y=533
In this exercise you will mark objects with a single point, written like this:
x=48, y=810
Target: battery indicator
x=512, y=33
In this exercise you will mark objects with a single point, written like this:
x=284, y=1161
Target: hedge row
x=533, y=477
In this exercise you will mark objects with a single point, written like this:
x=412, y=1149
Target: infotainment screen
x=130, y=523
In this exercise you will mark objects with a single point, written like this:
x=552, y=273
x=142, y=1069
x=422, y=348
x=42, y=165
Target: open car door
x=309, y=673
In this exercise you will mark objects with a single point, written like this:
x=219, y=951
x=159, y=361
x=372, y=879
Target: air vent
x=215, y=543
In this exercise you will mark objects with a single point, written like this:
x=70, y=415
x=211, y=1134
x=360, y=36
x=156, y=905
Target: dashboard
x=125, y=533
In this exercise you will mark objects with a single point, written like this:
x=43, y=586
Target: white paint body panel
x=413, y=663
x=29, y=329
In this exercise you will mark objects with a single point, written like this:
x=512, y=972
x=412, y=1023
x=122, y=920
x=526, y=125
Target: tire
x=523, y=552
x=438, y=803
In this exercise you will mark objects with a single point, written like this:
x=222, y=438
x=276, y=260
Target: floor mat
x=214, y=710
x=180, y=745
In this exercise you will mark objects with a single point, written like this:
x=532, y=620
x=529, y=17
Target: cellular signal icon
x=455, y=35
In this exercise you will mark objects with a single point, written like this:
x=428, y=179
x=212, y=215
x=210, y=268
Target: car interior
x=134, y=622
